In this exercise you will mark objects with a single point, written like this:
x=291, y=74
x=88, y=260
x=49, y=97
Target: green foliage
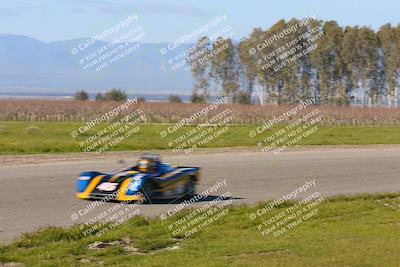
x=32, y=130
x=3, y=129
x=345, y=231
x=99, y=97
x=113, y=95
x=198, y=61
x=197, y=98
x=351, y=65
x=81, y=95
x=49, y=234
x=55, y=137
x=242, y=98
x=175, y=99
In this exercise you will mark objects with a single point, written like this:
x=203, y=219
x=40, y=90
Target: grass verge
x=346, y=231
x=53, y=137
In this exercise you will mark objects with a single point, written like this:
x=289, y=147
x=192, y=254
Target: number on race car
x=107, y=186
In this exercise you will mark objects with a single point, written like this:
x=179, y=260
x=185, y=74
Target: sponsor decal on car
x=136, y=181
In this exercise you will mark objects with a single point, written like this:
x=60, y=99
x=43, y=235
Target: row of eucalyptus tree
x=347, y=65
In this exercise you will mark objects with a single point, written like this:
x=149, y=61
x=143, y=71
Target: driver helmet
x=149, y=163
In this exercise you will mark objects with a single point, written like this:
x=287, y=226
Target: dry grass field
x=75, y=111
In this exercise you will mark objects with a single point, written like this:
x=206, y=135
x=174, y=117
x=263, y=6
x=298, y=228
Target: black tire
x=147, y=190
x=190, y=190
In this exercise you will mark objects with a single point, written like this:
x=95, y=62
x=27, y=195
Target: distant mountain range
x=29, y=65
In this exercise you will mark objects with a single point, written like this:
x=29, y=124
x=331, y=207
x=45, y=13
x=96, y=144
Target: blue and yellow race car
x=149, y=179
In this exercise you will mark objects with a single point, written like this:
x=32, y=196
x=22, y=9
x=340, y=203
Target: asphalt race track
x=44, y=194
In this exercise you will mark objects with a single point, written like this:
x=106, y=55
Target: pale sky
x=164, y=21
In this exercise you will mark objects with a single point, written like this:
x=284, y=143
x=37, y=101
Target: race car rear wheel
x=190, y=189
x=147, y=190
